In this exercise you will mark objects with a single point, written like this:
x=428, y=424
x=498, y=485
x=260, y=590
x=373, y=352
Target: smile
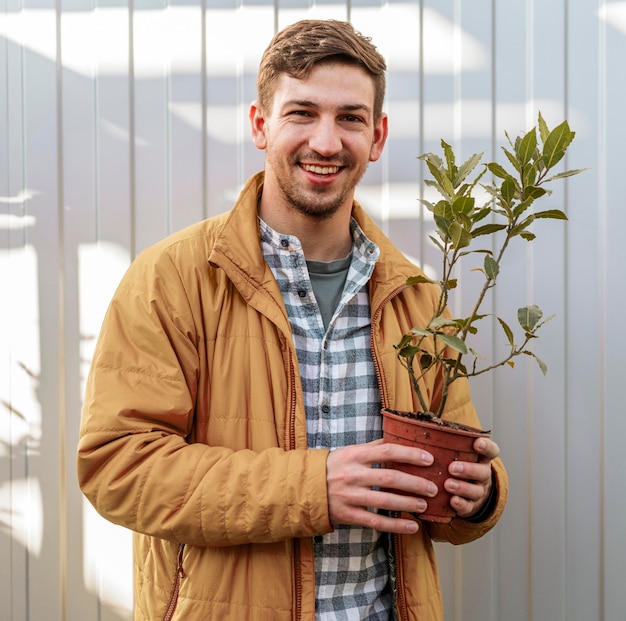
x=320, y=170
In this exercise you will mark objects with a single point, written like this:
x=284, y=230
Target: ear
x=257, y=125
x=381, y=130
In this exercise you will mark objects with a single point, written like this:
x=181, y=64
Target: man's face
x=319, y=137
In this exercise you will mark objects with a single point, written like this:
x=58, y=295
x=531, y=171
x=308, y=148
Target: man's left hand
x=471, y=483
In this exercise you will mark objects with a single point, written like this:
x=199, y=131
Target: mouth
x=321, y=170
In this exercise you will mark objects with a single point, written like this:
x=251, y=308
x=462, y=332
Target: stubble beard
x=317, y=203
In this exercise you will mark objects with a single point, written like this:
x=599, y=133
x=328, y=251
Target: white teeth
x=321, y=170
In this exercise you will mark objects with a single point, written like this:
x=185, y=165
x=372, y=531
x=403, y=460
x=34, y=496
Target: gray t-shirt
x=328, y=279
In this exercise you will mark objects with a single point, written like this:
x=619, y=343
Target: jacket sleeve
x=137, y=461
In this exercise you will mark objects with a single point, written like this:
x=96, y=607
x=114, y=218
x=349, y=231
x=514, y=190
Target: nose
x=325, y=138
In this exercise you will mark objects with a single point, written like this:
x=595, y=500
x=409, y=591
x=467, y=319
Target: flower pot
x=446, y=441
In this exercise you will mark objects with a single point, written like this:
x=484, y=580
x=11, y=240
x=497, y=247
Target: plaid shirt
x=342, y=408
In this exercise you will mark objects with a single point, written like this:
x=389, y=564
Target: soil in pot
x=445, y=440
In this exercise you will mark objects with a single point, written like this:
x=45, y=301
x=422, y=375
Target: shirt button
x=284, y=243
x=302, y=293
x=326, y=409
x=318, y=538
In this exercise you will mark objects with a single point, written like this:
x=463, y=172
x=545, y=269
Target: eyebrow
x=305, y=103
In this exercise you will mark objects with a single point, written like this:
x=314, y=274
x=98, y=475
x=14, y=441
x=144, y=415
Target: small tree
x=442, y=346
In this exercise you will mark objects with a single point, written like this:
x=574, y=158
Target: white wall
x=120, y=124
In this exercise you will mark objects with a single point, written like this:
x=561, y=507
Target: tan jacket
x=194, y=436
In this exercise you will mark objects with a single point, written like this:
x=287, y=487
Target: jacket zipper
x=381, y=388
x=180, y=574
x=400, y=599
x=297, y=569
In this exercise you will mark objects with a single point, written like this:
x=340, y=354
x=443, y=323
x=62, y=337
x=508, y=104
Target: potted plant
x=462, y=222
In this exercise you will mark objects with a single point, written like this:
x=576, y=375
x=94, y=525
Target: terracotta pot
x=446, y=443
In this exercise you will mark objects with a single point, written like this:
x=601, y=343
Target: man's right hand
x=351, y=477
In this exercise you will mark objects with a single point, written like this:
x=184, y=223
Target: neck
x=322, y=240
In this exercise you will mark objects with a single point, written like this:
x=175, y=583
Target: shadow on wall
x=32, y=429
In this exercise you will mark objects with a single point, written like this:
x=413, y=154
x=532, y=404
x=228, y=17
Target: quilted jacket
x=193, y=432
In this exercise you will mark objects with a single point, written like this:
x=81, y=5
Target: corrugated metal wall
x=121, y=123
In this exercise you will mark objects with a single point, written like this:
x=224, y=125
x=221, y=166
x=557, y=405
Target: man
x=232, y=414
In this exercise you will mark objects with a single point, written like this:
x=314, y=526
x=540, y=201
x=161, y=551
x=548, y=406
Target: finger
x=380, y=452
x=470, y=471
x=462, y=506
x=391, y=479
x=486, y=448
x=389, y=501
x=385, y=523
x=389, y=452
x=464, y=490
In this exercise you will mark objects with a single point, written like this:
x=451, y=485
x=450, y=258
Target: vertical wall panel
x=613, y=297
x=133, y=124
x=78, y=24
x=41, y=176
x=584, y=325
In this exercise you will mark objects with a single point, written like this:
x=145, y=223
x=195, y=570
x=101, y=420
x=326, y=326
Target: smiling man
x=232, y=413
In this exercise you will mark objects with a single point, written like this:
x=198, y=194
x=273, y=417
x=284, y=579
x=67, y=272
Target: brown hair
x=299, y=47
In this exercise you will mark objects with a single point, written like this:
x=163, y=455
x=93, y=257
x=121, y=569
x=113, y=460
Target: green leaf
x=406, y=340
x=421, y=332
x=481, y=214
x=512, y=159
x=567, y=173
x=442, y=322
x=488, y=229
x=437, y=243
x=556, y=144
x=435, y=166
x=526, y=147
x=463, y=323
x=426, y=361
x=416, y=280
x=409, y=351
x=532, y=193
x=453, y=342
x=523, y=225
x=451, y=283
x=450, y=159
x=497, y=170
x=508, y=332
x=444, y=209
x=551, y=214
x=529, y=317
x=492, y=269
x=430, y=206
x=540, y=362
x=530, y=173
x=508, y=188
x=443, y=225
x=463, y=204
x=527, y=235
x=467, y=168
x=460, y=237
x=544, y=132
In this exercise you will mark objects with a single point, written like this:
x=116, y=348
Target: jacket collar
x=237, y=249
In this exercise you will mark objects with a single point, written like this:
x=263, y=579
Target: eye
x=302, y=113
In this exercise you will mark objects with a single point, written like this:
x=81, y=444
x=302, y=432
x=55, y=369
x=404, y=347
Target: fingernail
x=456, y=467
x=427, y=458
x=412, y=527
